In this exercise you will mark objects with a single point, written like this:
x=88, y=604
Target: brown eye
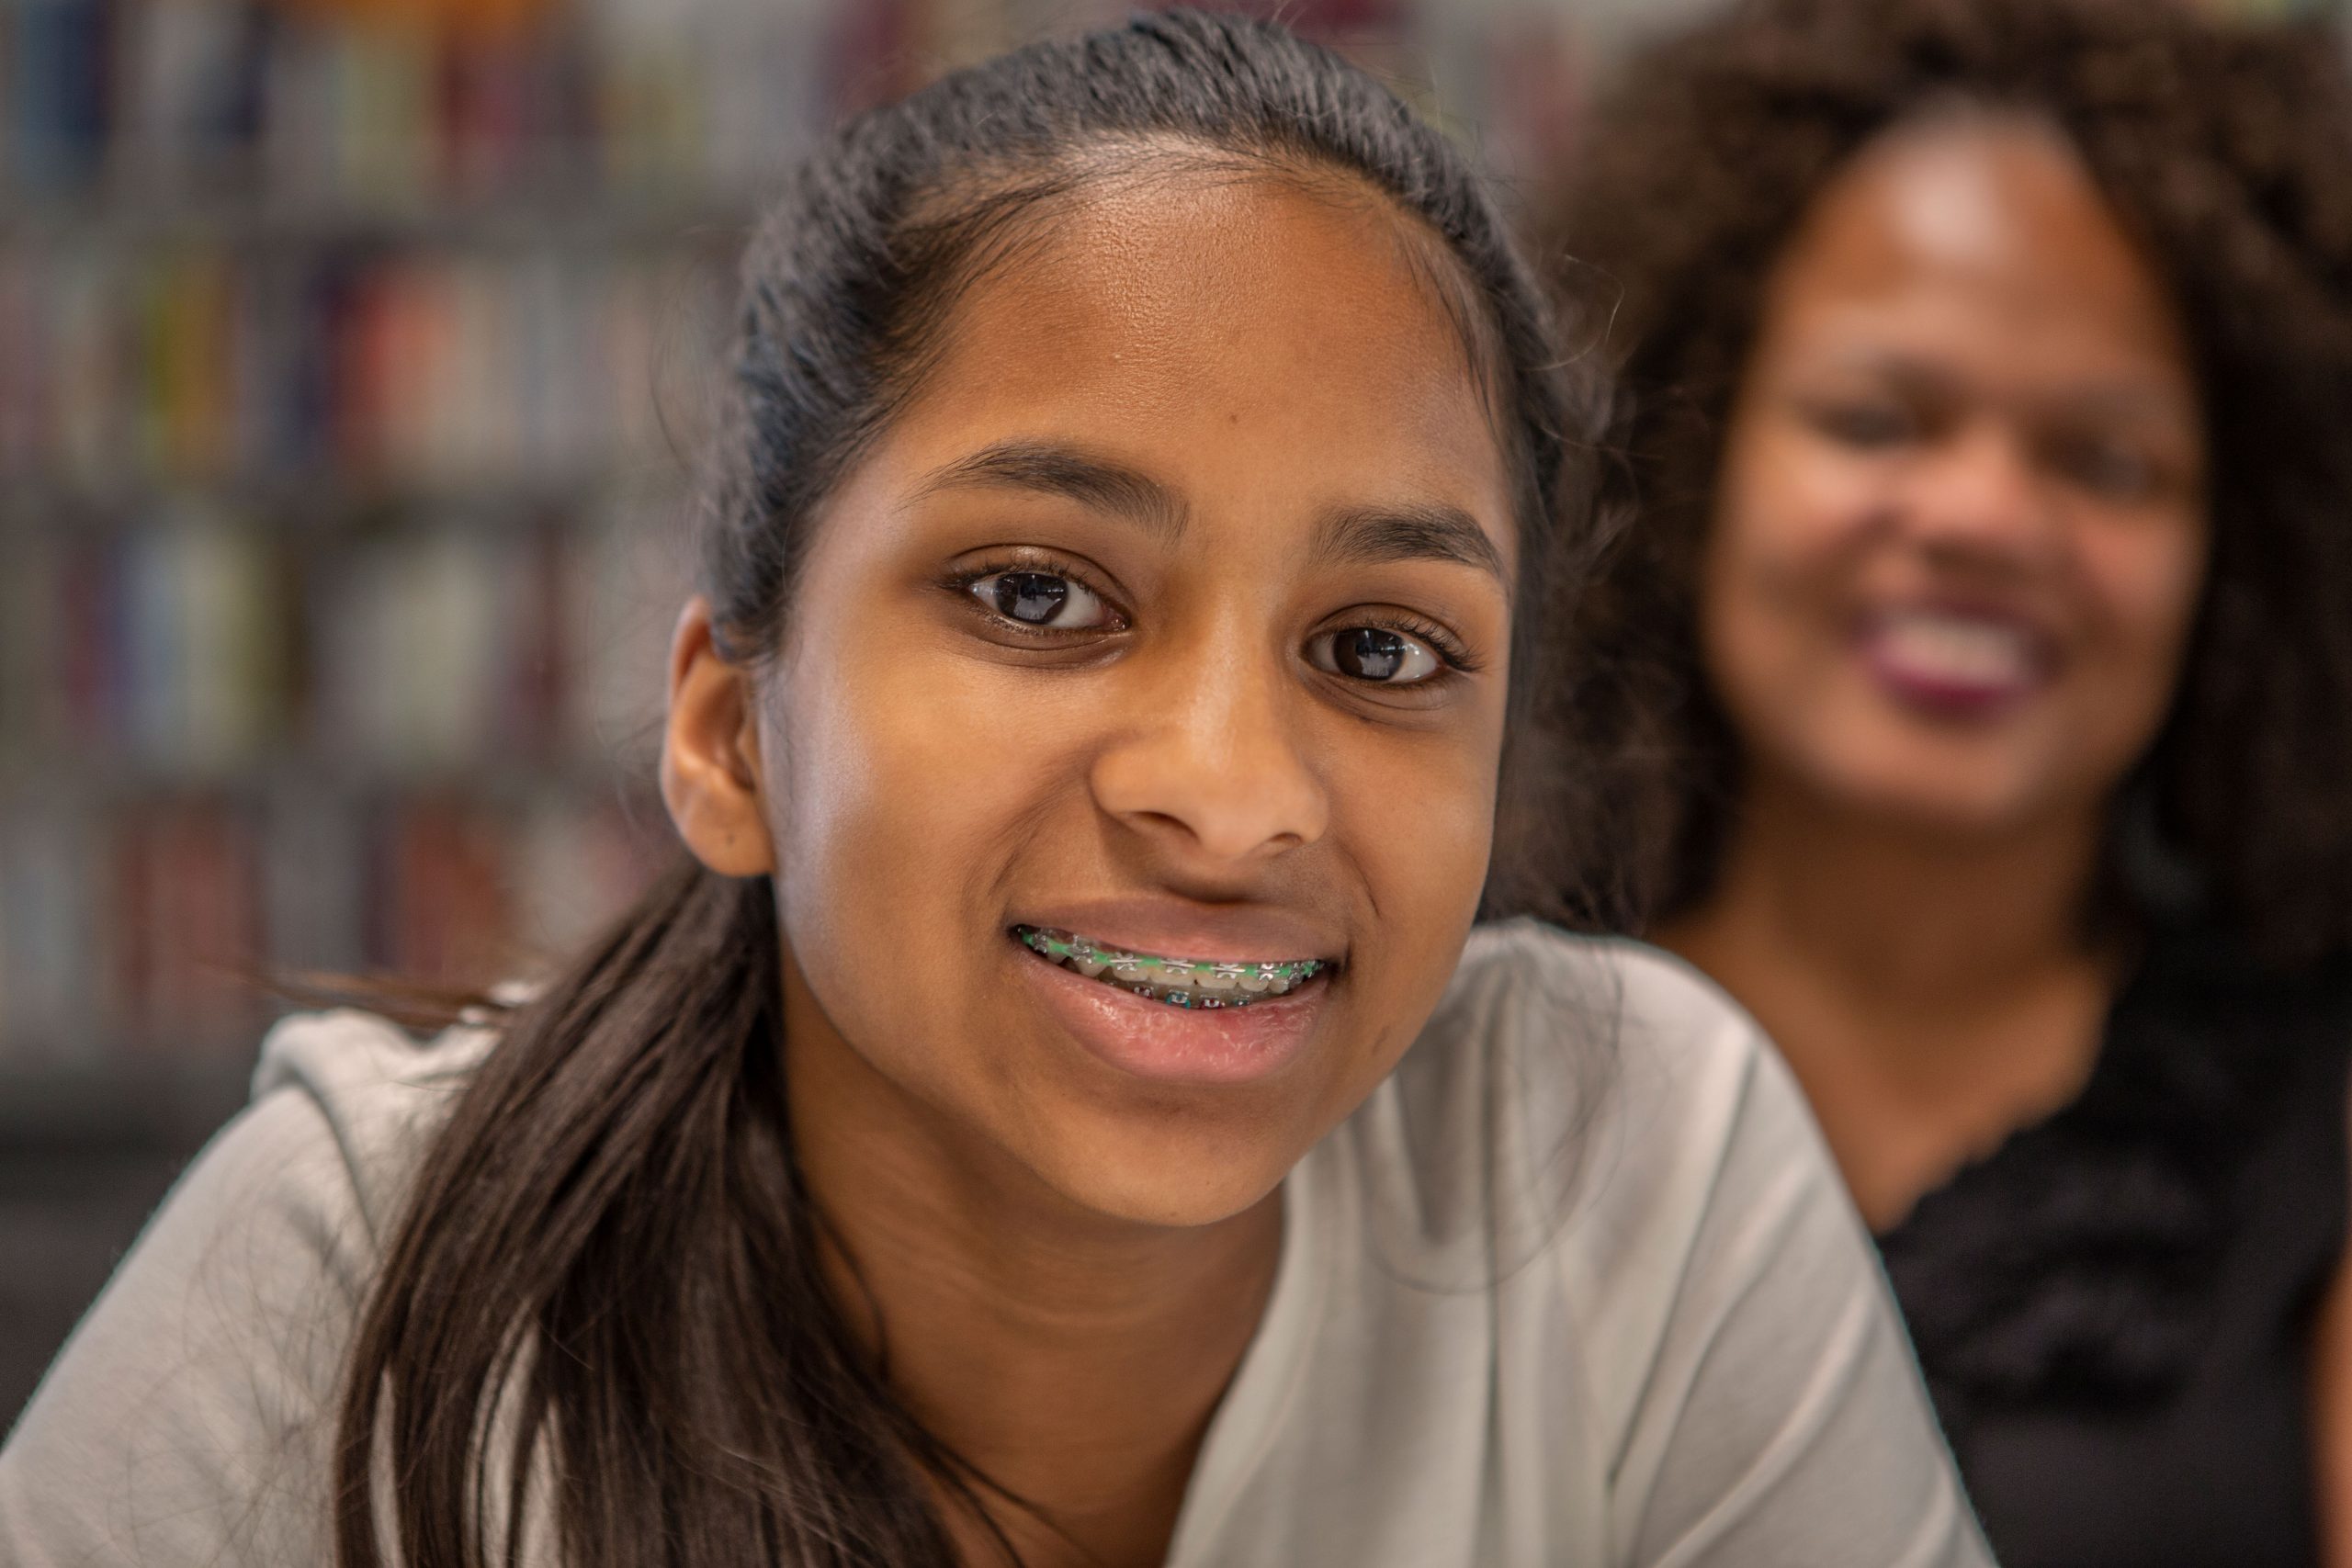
x=1041, y=599
x=1375, y=654
x=2110, y=469
x=1865, y=427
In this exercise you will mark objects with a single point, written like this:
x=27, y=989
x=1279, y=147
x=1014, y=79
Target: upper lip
x=1173, y=928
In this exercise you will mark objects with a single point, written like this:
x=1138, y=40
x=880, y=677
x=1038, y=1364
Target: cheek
x=1790, y=515
x=1423, y=826
x=2144, y=578
x=903, y=781
x=2142, y=582
x=1778, y=549
x=1415, y=819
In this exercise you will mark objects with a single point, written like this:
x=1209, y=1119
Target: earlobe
x=710, y=764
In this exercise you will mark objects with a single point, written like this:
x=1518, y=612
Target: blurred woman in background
x=1981, y=678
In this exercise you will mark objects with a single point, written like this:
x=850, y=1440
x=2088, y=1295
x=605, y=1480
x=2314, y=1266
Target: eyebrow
x=1093, y=481
x=1373, y=536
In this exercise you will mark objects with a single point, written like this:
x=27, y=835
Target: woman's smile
x=1945, y=661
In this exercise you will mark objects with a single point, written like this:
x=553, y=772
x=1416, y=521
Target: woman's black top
x=2114, y=1310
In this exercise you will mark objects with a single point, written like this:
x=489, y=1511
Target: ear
x=710, y=754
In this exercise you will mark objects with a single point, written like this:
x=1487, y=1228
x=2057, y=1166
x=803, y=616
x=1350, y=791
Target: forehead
x=1229, y=329
x=1985, y=236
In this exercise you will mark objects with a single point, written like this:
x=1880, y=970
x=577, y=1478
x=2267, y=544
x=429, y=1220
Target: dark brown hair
x=2223, y=147
x=605, y=1295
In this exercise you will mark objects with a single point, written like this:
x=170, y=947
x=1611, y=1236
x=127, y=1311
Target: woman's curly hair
x=2226, y=150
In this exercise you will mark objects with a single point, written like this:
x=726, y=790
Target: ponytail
x=612, y=1229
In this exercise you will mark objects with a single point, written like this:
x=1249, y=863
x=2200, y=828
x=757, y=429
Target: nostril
x=1230, y=807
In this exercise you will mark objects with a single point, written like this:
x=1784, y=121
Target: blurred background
x=349, y=349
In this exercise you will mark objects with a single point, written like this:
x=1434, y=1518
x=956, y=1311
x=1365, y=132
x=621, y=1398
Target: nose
x=1981, y=496
x=1211, y=770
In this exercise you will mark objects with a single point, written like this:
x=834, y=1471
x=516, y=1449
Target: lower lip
x=1177, y=1046
x=1940, y=698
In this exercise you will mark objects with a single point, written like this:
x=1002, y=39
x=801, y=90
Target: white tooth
x=1961, y=648
x=1090, y=967
x=1974, y=656
x=1215, y=981
x=1129, y=970
x=1282, y=984
x=1254, y=981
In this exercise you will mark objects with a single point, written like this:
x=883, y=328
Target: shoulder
x=356, y=1090
x=1592, y=1145
x=192, y=1410
x=1591, y=1031
x=1523, y=975
x=267, y=1244
x=301, y=1191
x=1568, y=1075
x=1599, y=1113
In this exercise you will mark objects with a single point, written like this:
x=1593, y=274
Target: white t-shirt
x=1577, y=1285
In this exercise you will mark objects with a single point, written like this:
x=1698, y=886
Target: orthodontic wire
x=1173, y=972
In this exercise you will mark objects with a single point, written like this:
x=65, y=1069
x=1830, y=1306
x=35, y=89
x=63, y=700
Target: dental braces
x=1171, y=981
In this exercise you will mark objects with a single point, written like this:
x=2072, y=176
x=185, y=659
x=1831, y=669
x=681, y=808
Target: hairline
x=1018, y=193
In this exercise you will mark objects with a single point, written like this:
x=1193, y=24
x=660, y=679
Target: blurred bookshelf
x=338, y=482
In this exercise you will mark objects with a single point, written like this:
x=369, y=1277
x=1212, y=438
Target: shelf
x=327, y=502
x=543, y=220
x=502, y=292
x=125, y=1096
x=82, y=780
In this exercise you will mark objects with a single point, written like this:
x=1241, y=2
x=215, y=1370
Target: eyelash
x=1045, y=564
x=1454, y=659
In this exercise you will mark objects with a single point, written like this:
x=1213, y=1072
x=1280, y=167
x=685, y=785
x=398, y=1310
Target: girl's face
x=1960, y=524
x=1169, y=621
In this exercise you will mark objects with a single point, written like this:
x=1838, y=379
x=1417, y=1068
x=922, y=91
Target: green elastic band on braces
x=1170, y=970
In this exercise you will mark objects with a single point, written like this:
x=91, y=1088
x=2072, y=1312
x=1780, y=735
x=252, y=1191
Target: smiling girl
x=993, y=1144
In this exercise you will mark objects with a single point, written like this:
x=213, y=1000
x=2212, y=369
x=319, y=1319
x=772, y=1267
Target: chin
x=1937, y=796
x=1894, y=770
x=1173, y=1177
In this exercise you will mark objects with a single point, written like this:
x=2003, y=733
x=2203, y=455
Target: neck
x=1074, y=1360
x=1933, y=991
x=1902, y=916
